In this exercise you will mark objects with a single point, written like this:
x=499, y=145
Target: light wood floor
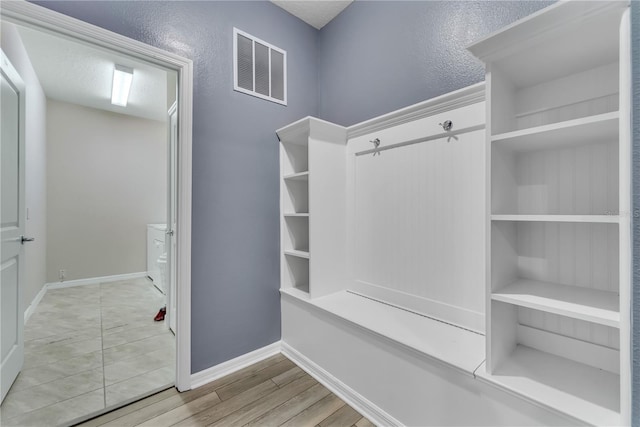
x=273, y=392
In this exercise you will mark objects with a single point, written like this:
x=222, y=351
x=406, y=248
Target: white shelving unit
x=311, y=160
x=559, y=196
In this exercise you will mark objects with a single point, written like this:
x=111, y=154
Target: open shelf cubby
x=563, y=363
x=295, y=159
x=579, y=255
x=297, y=269
x=574, y=180
x=296, y=236
x=295, y=198
x=570, y=72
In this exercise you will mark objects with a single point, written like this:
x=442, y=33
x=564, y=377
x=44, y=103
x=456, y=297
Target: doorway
x=44, y=20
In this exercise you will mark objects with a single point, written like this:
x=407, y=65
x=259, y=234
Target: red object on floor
x=161, y=313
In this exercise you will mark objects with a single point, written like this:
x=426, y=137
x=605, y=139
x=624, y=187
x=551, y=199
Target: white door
x=12, y=218
x=172, y=210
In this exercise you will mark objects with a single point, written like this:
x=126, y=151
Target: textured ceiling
x=80, y=74
x=316, y=13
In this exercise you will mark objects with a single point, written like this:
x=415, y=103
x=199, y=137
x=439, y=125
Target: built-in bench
x=445, y=343
x=437, y=342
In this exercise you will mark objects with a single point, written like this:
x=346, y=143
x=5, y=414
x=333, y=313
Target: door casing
x=38, y=17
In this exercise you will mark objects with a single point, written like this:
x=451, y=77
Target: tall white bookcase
x=558, y=147
x=313, y=207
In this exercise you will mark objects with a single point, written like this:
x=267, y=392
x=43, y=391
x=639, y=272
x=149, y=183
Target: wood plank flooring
x=273, y=392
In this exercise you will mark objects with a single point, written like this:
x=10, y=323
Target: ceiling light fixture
x=122, y=78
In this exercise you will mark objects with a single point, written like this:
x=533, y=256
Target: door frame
x=38, y=17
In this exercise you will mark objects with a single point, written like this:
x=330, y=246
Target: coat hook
x=376, y=144
x=447, y=125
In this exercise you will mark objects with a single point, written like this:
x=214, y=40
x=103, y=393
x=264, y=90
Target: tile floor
x=88, y=348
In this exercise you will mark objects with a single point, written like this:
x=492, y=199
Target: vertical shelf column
x=312, y=206
x=559, y=259
x=294, y=208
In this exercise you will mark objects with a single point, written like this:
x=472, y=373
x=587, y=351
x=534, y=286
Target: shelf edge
x=567, y=124
x=603, y=219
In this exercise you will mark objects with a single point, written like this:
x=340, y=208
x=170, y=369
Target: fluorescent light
x=122, y=78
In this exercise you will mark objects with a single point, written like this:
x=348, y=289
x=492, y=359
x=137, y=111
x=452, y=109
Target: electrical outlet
x=62, y=274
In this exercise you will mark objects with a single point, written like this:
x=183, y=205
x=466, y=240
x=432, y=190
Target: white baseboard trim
x=230, y=366
x=340, y=389
x=95, y=280
x=34, y=304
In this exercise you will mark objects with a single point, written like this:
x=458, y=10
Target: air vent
x=259, y=68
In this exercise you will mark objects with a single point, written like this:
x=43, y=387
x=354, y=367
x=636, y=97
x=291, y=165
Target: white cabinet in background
x=155, y=248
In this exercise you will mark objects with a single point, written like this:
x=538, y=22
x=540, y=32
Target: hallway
x=87, y=348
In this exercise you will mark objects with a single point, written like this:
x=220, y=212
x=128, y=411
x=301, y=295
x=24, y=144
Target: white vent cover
x=259, y=68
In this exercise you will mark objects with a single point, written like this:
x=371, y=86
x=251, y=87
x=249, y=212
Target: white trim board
x=34, y=304
x=352, y=398
x=449, y=101
x=230, y=366
x=41, y=18
x=95, y=280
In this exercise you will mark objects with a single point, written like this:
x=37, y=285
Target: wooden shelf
x=588, y=394
x=610, y=219
x=296, y=215
x=299, y=254
x=592, y=305
x=583, y=131
x=300, y=176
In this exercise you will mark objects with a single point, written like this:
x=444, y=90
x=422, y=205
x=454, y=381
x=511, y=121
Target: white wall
x=106, y=181
x=36, y=165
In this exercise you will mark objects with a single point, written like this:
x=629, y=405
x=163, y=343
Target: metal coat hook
x=447, y=125
x=376, y=144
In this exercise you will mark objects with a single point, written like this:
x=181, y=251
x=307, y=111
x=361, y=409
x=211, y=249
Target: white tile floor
x=88, y=348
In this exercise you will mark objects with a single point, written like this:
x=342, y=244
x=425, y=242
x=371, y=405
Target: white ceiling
x=80, y=74
x=316, y=13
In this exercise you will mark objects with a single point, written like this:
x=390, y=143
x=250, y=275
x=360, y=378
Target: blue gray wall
x=635, y=46
x=235, y=266
x=378, y=56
